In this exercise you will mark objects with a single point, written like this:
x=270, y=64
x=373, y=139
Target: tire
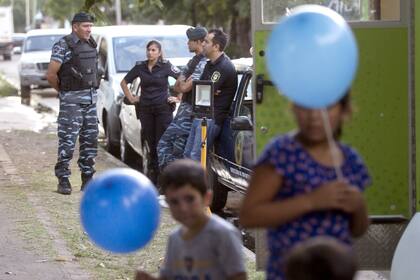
x=25, y=95
x=7, y=56
x=109, y=146
x=127, y=154
x=220, y=192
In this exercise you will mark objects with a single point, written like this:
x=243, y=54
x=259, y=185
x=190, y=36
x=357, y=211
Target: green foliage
x=6, y=89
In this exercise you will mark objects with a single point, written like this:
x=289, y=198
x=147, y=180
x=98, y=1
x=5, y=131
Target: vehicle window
x=41, y=43
x=128, y=50
x=245, y=105
x=351, y=10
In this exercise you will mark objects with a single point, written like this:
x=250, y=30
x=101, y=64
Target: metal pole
x=118, y=12
x=204, y=149
x=34, y=4
x=27, y=14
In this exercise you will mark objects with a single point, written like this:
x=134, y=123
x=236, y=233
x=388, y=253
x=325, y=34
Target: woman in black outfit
x=155, y=109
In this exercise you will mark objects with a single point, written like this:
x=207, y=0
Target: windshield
x=128, y=50
x=41, y=43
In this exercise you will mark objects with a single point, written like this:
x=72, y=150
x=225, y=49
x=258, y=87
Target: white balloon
x=406, y=260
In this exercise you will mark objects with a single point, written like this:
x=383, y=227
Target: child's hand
x=329, y=196
x=353, y=199
x=142, y=275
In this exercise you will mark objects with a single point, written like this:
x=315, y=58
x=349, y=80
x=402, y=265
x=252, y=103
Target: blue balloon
x=120, y=210
x=312, y=56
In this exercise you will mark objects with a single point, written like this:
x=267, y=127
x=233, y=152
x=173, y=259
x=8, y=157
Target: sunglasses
x=188, y=199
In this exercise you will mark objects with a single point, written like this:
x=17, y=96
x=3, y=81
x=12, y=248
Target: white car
x=120, y=47
x=36, y=54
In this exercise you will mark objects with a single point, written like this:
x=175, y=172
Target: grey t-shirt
x=214, y=254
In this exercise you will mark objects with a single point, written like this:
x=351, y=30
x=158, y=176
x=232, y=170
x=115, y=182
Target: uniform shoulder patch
x=175, y=69
x=215, y=76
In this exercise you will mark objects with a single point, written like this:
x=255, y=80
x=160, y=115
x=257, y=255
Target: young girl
x=295, y=192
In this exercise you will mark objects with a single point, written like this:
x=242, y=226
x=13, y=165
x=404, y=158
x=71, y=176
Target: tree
x=233, y=16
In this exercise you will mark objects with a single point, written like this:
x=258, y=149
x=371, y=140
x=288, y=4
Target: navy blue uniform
x=222, y=73
x=154, y=110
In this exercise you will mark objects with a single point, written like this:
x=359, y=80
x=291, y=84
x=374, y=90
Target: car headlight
x=28, y=66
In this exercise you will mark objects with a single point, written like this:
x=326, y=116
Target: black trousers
x=154, y=120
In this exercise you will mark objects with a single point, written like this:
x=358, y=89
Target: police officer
x=172, y=143
x=73, y=73
x=221, y=71
x=155, y=105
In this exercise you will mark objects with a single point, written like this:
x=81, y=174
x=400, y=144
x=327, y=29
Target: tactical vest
x=81, y=71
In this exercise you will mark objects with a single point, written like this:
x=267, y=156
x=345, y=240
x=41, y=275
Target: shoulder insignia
x=215, y=76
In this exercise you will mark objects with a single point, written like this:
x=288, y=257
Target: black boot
x=64, y=186
x=85, y=179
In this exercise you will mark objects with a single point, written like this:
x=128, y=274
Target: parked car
x=36, y=55
x=120, y=47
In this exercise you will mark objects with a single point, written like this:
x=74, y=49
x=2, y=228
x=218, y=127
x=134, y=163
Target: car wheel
x=25, y=95
x=127, y=154
x=109, y=146
x=7, y=56
x=220, y=192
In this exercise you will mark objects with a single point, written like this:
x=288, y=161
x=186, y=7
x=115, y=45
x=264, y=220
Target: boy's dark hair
x=220, y=38
x=182, y=172
x=321, y=258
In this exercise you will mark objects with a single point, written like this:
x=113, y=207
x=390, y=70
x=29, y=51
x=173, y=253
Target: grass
x=7, y=89
x=63, y=213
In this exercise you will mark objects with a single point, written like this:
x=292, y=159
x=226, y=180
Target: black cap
x=196, y=33
x=83, y=17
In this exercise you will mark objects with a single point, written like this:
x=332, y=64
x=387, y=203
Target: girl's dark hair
x=345, y=104
x=159, y=45
x=184, y=172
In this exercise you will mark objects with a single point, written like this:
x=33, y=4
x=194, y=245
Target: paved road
x=10, y=69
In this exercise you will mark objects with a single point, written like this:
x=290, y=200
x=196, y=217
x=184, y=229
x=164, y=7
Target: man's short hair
x=321, y=258
x=82, y=17
x=220, y=38
x=184, y=172
x=196, y=33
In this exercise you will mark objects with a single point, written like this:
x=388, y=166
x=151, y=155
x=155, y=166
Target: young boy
x=321, y=258
x=204, y=246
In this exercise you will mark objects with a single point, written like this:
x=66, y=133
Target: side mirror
x=241, y=123
x=17, y=50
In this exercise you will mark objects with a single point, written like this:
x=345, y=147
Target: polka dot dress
x=302, y=174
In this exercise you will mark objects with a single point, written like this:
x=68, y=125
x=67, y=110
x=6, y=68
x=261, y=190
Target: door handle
x=260, y=87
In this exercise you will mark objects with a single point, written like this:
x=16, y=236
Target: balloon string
x=332, y=144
